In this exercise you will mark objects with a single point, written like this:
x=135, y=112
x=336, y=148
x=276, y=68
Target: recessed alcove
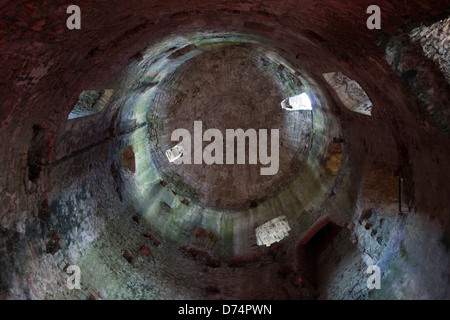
x=329, y=254
x=90, y=102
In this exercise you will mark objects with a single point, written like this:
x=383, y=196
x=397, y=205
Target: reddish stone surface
x=146, y=251
x=201, y=256
x=138, y=57
x=212, y=289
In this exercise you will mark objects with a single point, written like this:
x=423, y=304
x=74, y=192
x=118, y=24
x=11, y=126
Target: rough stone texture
x=64, y=199
x=238, y=88
x=435, y=41
x=423, y=76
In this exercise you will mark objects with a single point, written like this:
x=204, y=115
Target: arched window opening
x=90, y=102
x=174, y=153
x=298, y=102
x=272, y=231
x=349, y=92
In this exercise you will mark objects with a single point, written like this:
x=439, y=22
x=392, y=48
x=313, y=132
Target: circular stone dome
x=234, y=86
x=86, y=116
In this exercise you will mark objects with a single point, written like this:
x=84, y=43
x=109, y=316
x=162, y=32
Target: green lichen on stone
x=155, y=125
x=183, y=189
x=303, y=220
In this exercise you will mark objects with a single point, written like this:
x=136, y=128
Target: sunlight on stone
x=299, y=102
x=174, y=153
x=272, y=231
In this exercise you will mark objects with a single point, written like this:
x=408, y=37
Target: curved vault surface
x=226, y=85
x=95, y=191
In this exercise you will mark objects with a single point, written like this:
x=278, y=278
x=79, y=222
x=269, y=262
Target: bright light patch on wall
x=299, y=102
x=174, y=153
x=272, y=231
